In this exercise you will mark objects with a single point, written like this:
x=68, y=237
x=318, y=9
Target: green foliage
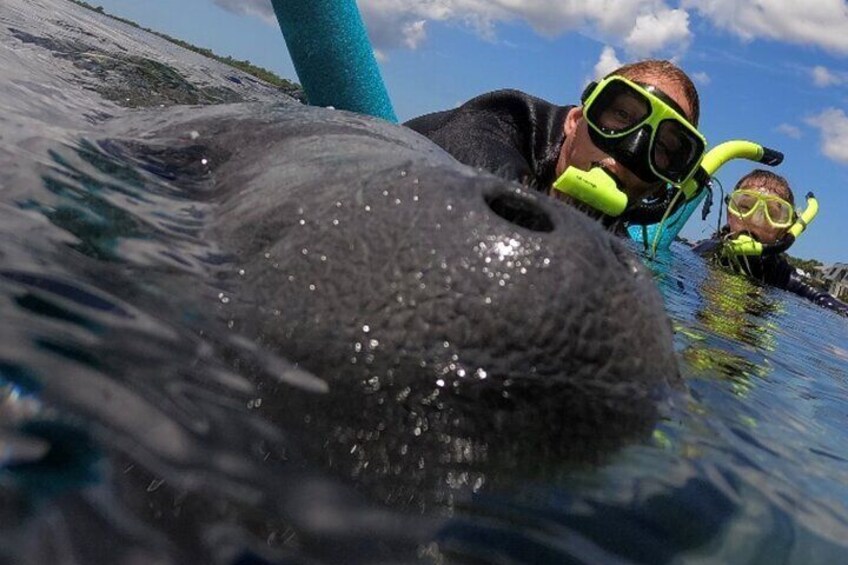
x=285, y=85
x=808, y=265
x=811, y=267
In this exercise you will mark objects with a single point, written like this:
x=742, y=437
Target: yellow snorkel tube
x=715, y=158
x=747, y=246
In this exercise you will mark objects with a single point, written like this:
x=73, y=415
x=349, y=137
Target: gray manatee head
x=466, y=334
x=466, y=327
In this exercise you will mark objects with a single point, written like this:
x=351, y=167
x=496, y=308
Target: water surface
x=132, y=410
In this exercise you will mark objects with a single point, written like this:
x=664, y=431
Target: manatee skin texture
x=462, y=324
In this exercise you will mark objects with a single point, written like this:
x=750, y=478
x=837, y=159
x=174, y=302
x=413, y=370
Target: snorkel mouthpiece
x=742, y=245
x=745, y=245
x=594, y=187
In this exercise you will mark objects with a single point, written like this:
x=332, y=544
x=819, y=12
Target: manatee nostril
x=520, y=211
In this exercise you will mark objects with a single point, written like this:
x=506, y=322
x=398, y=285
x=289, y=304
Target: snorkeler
x=761, y=224
x=632, y=137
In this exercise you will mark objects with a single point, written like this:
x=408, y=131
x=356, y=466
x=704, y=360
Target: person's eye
x=776, y=210
x=745, y=202
x=669, y=144
x=618, y=117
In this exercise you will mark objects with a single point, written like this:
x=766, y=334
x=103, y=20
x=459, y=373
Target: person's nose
x=759, y=217
x=635, y=141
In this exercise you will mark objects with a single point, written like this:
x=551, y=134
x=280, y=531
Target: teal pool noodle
x=332, y=55
x=673, y=224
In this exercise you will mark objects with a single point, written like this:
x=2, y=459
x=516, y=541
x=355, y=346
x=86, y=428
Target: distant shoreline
x=287, y=86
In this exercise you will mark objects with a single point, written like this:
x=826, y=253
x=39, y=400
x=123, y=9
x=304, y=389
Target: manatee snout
x=440, y=304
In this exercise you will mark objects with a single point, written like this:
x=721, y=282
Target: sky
x=772, y=71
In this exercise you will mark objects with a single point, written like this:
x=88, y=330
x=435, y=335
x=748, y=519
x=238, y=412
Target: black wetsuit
x=772, y=270
x=507, y=132
x=518, y=137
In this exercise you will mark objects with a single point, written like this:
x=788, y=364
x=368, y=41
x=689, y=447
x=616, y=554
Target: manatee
x=466, y=328
x=272, y=331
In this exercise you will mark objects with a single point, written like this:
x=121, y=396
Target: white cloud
x=647, y=26
x=658, y=29
x=394, y=24
x=607, y=63
x=642, y=27
x=823, y=23
x=701, y=78
x=414, y=33
x=259, y=8
x=823, y=77
x=833, y=124
x=789, y=130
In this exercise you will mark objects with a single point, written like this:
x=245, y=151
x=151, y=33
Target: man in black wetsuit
x=762, y=205
x=529, y=140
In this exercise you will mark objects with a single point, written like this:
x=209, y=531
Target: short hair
x=767, y=182
x=657, y=68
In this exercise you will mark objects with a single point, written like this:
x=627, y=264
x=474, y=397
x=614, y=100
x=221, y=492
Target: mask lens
x=741, y=203
x=618, y=108
x=676, y=150
x=779, y=213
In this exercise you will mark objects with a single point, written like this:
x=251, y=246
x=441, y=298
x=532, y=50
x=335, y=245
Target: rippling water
x=131, y=413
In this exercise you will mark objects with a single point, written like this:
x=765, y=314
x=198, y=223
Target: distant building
x=836, y=276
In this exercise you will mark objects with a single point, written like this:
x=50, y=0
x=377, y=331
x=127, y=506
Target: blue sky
x=773, y=71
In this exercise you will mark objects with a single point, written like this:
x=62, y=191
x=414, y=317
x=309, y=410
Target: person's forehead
x=764, y=187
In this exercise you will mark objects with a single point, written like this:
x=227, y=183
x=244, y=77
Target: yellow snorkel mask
x=744, y=203
x=743, y=245
x=643, y=130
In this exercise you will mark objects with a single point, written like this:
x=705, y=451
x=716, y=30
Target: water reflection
x=738, y=309
x=116, y=214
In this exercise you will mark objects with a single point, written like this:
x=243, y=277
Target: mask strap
x=724, y=199
x=708, y=201
x=587, y=92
